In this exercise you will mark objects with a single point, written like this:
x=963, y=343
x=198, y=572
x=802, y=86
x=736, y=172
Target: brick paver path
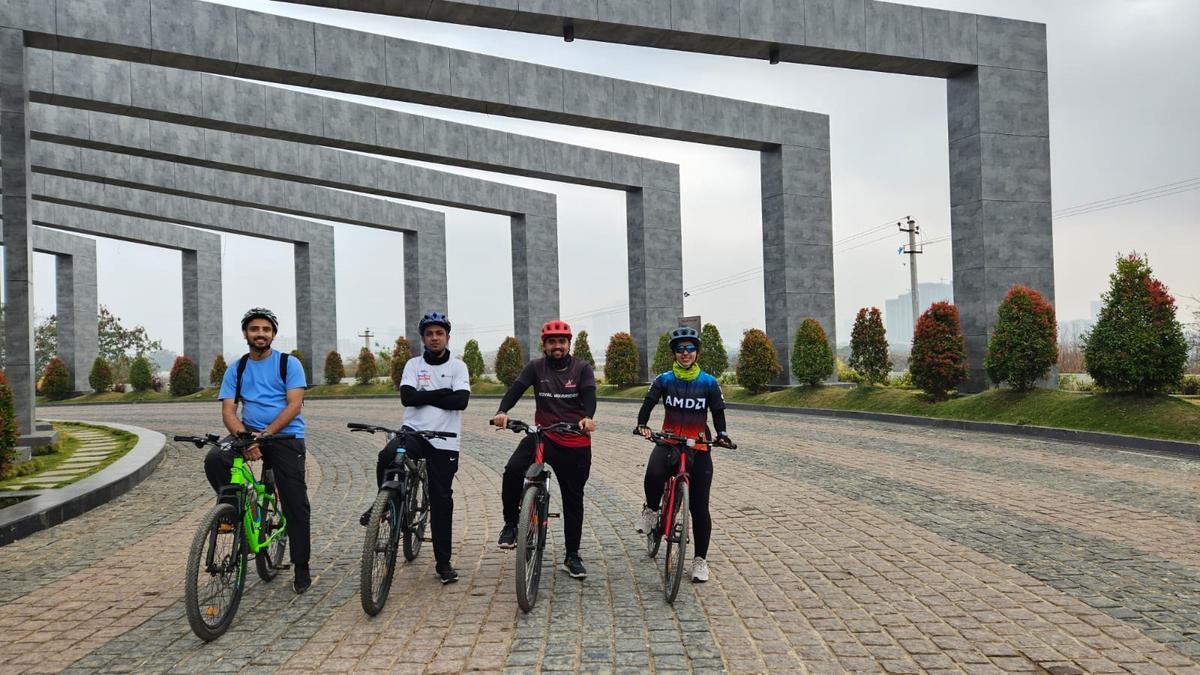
x=837, y=546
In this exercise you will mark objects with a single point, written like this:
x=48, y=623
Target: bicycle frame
x=672, y=484
x=252, y=492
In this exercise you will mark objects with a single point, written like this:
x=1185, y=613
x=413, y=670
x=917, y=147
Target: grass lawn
x=50, y=457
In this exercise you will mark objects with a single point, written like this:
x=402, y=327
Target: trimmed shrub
x=401, y=353
x=847, y=374
x=304, y=364
x=185, y=377
x=621, y=360
x=509, y=361
x=473, y=359
x=663, y=356
x=140, y=374
x=8, y=427
x=812, y=359
x=582, y=350
x=217, y=374
x=1024, y=343
x=367, y=370
x=1073, y=382
x=119, y=388
x=713, y=360
x=938, y=362
x=1137, y=343
x=758, y=361
x=869, y=347
x=902, y=381
x=335, y=370
x=56, y=379
x=101, y=377
x=1190, y=385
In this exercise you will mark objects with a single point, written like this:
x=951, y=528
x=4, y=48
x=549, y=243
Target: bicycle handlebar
x=517, y=426
x=238, y=442
x=659, y=436
x=372, y=428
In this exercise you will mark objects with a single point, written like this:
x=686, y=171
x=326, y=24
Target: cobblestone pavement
x=837, y=546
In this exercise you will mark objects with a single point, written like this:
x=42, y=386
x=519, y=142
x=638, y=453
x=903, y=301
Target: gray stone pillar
x=797, y=220
x=76, y=308
x=189, y=268
x=424, y=274
x=316, y=304
x=1000, y=211
x=534, y=278
x=655, y=250
x=18, y=231
x=202, y=340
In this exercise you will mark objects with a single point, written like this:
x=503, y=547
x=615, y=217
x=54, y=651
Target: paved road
x=837, y=546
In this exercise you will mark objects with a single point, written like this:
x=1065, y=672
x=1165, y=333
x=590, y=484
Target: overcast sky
x=1124, y=100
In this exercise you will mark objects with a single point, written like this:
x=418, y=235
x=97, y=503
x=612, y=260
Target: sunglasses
x=685, y=348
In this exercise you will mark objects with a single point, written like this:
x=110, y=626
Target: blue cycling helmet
x=433, y=319
x=684, y=333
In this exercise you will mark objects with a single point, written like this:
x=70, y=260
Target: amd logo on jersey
x=685, y=403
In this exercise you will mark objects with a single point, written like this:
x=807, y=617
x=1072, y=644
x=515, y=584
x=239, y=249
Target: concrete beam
x=528, y=210
x=268, y=47
x=315, y=124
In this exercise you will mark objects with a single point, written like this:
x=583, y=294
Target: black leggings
x=571, y=466
x=440, y=466
x=285, y=457
x=700, y=469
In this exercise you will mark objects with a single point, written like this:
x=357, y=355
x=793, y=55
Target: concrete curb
x=51, y=507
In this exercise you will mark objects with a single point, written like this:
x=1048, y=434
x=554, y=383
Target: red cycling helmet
x=556, y=329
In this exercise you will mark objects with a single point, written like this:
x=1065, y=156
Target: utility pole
x=366, y=336
x=913, y=229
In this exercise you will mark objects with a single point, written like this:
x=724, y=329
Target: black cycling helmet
x=433, y=319
x=260, y=313
x=684, y=333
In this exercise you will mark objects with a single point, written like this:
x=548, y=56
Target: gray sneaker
x=699, y=570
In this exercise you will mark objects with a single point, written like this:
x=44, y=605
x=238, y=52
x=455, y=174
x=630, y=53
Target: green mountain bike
x=247, y=520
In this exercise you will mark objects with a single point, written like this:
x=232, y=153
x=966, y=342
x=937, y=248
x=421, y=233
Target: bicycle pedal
x=284, y=566
x=427, y=539
x=552, y=515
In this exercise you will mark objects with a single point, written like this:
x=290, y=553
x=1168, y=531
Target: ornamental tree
x=367, y=369
x=140, y=374
x=664, y=358
x=938, y=362
x=56, y=379
x=473, y=359
x=217, y=374
x=1137, y=344
x=185, y=379
x=509, y=361
x=869, y=347
x=1024, y=343
x=713, y=360
x=621, y=360
x=583, y=350
x=101, y=377
x=335, y=369
x=758, y=362
x=812, y=359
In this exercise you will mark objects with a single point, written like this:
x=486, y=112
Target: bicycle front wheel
x=675, y=557
x=416, y=513
x=531, y=542
x=268, y=560
x=216, y=573
x=379, y=552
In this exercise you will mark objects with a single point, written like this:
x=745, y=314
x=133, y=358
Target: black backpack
x=241, y=368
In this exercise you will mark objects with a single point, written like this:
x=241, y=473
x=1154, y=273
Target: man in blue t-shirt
x=271, y=392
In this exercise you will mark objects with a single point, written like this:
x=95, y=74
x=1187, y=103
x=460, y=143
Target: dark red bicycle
x=533, y=521
x=674, y=514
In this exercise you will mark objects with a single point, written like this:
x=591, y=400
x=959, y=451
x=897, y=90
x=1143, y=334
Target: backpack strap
x=241, y=368
x=283, y=360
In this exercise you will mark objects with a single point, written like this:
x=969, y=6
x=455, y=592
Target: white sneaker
x=648, y=521
x=699, y=570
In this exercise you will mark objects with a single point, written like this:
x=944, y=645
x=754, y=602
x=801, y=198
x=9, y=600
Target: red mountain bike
x=674, y=515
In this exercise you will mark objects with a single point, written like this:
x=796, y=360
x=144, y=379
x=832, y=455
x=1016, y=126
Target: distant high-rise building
x=897, y=312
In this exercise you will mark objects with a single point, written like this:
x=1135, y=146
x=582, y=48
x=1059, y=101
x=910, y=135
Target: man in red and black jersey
x=566, y=392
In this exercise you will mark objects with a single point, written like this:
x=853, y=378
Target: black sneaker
x=574, y=566
x=302, y=581
x=365, y=518
x=447, y=573
x=508, y=536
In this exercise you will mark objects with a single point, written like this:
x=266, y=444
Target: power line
x=1157, y=192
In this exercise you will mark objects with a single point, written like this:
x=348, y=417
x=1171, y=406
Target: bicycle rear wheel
x=531, y=542
x=267, y=561
x=380, y=544
x=675, y=557
x=416, y=513
x=216, y=573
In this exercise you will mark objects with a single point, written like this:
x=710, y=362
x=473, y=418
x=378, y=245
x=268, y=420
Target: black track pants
x=440, y=466
x=285, y=457
x=571, y=467
x=700, y=469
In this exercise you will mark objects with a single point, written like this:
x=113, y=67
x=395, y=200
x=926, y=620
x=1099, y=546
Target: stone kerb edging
x=54, y=506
